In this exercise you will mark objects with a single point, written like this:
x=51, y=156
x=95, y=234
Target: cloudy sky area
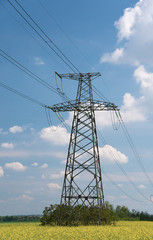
x=114, y=38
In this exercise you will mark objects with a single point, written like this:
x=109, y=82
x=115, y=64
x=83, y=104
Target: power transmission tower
x=83, y=179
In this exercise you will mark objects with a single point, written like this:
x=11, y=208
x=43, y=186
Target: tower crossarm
x=77, y=76
x=83, y=106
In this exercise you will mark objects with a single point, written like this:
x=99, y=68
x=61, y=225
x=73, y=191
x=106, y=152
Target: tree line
x=68, y=216
x=74, y=216
x=33, y=218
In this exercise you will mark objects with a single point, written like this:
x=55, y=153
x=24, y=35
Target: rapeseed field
x=121, y=231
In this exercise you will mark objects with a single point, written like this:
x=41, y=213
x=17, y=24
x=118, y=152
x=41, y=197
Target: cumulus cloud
x=38, y=61
x=126, y=23
x=45, y=165
x=57, y=175
x=138, y=109
x=1, y=172
x=15, y=166
x=25, y=154
x=141, y=186
x=145, y=79
x=120, y=185
x=53, y=186
x=135, y=27
x=7, y=145
x=133, y=110
x=109, y=154
x=113, y=57
x=16, y=129
x=34, y=164
x=23, y=197
x=59, y=136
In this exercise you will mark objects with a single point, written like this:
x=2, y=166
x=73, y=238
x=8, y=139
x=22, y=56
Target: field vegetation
x=123, y=230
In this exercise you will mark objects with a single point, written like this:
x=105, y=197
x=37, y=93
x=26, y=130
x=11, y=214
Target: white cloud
x=53, y=186
x=16, y=166
x=133, y=110
x=63, y=162
x=45, y=165
x=125, y=24
x=139, y=109
x=23, y=197
x=16, y=129
x=25, y=154
x=141, y=186
x=70, y=119
x=113, y=57
x=58, y=175
x=34, y=164
x=120, y=185
x=58, y=137
x=109, y=154
x=38, y=61
x=135, y=26
x=1, y=172
x=145, y=79
x=7, y=145
x=103, y=118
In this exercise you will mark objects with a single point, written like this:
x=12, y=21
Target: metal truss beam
x=83, y=180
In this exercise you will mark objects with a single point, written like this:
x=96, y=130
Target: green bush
x=79, y=215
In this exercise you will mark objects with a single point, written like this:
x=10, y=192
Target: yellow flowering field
x=121, y=231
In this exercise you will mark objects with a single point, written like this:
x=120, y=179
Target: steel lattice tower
x=83, y=160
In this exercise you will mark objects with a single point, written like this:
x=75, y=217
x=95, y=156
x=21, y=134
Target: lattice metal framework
x=83, y=160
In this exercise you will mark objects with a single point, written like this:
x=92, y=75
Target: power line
x=27, y=71
x=120, y=189
x=66, y=60
x=119, y=166
x=66, y=35
x=49, y=14
x=127, y=135
x=34, y=38
x=50, y=124
x=115, y=160
x=63, y=122
x=134, y=149
x=99, y=94
x=53, y=49
x=21, y=94
x=47, y=38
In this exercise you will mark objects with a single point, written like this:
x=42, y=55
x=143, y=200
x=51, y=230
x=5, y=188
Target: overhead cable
x=119, y=165
x=134, y=149
x=58, y=52
x=27, y=71
x=21, y=94
x=119, y=188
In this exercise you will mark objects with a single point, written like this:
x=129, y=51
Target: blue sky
x=112, y=37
